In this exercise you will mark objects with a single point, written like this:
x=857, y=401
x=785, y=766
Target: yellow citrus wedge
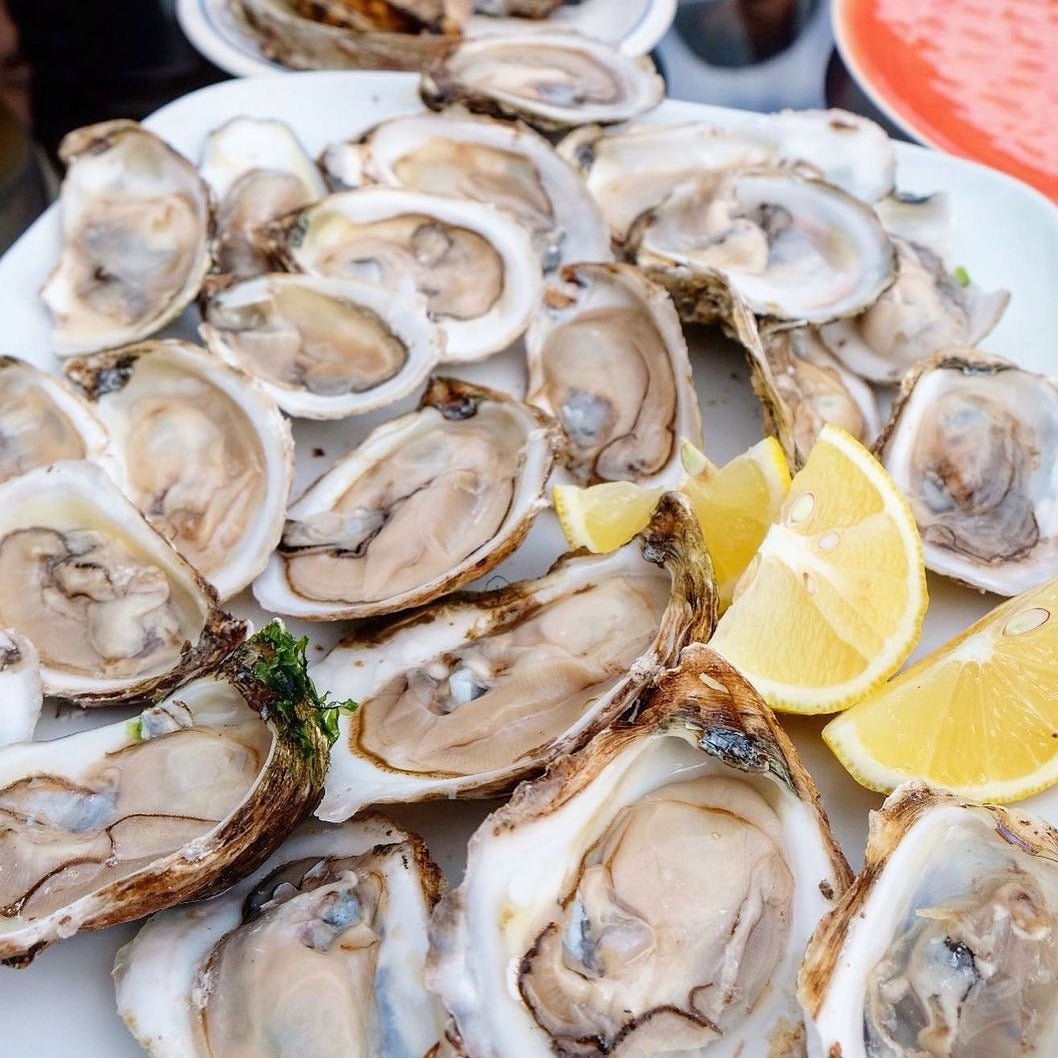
x=832, y=604
x=735, y=505
x=978, y=716
x=603, y=517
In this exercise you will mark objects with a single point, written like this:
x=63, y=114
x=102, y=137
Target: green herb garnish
x=134, y=728
x=961, y=276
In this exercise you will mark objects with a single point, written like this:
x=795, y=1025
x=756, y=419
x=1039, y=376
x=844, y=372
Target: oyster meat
x=550, y=80
x=21, y=691
x=324, y=348
x=946, y=946
x=973, y=442
x=791, y=247
x=319, y=953
x=43, y=421
x=469, y=695
x=114, y=612
x=108, y=825
x=651, y=894
x=517, y=8
x=474, y=266
x=608, y=359
x=503, y=165
x=428, y=502
x=135, y=225
x=257, y=170
x=202, y=451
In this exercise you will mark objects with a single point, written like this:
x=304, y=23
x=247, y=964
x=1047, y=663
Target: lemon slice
x=978, y=716
x=735, y=505
x=833, y=602
x=603, y=517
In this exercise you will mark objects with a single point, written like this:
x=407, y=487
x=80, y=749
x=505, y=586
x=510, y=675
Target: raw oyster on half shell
x=21, y=690
x=428, y=502
x=108, y=825
x=467, y=696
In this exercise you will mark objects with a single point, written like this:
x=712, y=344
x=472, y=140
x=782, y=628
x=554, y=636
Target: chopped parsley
x=962, y=276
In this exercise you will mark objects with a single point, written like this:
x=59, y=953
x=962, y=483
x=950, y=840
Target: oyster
x=319, y=953
x=108, y=825
x=651, y=894
x=608, y=359
x=324, y=348
x=115, y=613
x=972, y=441
x=257, y=171
x=203, y=452
x=792, y=248
x=633, y=170
x=43, y=421
x=392, y=16
x=945, y=946
x=474, y=266
x=21, y=692
x=135, y=223
x=550, y=80
x=503, y=165
x=428, y=502
x=517, y=8
x=466, y=697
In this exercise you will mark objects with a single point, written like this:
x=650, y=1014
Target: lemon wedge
x=603, y=517
x=833, y=602
x=978, y=716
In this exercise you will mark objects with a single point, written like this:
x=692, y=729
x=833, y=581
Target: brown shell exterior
x=888, y=826
x=287, y=790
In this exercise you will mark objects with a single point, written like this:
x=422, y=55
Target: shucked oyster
x=651, y=894
x=115, y=613
x=135, y=221
x=201, y=450
x=320, y=953
x=792, y=248
x=465, y=697
x=608, y=359
x=550, y=80
x=946, y=946
x=324, y=348
x=43, y=421
x=494, y=162
x=474, y=266
x=428, y=502
x=973, y=442
x=257, y=171
x=109, y=825
x=21, y=691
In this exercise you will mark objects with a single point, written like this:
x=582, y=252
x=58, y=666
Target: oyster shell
x=319, y=952
x=517, y=8
x=202, y=451
x=393, y=16
x=43, y=421
x=135, y=223
x=426, y=503
x=633, y=170
x=945, y=943
x=466, y=697
x=257, y=170
x=550, y=80
x=21, y=692
x=474, y=265
x=791, y=247
x=608, y=359
x=503, y=165
x=650, y=894
x=108, y=825
x=324, y=348
x=972, y=441
x=115, y=613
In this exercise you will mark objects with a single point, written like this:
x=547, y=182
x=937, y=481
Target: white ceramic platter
x=218, y=35
x=1006, y=235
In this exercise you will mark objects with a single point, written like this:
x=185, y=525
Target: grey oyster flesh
x=327, y=982
x=63, y=838
x=410, y=518
x=976, y=978
x=92, y=605
x=506, y=698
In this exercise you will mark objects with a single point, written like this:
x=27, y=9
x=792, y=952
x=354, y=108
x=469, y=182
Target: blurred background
x=66, y=63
